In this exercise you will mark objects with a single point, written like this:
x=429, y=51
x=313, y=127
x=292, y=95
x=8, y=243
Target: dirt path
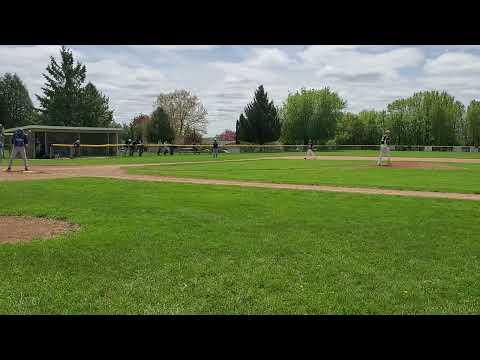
x=118, y=172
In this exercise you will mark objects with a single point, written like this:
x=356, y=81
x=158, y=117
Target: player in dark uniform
x=140, y=146
x=133, y=145
x=215, y=148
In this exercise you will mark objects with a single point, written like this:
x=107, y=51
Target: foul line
x=323, y=188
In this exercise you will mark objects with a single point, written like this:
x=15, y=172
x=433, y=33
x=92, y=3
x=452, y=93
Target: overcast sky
x=225, y=77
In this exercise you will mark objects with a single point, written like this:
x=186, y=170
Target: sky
x=225, y=77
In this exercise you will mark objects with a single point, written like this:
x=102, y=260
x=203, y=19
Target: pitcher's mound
x=15, y=229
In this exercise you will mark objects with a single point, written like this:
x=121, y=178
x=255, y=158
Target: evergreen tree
x=95, y=110
x=159, y=128
x=242, y=128
x=16, y=108
x=62, y=100
x=237, y=129
x=261, y=123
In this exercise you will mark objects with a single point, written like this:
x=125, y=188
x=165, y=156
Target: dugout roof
x=45, y=128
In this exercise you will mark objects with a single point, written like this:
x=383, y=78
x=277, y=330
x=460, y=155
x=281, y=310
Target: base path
x=119, y=172
x=371, y=191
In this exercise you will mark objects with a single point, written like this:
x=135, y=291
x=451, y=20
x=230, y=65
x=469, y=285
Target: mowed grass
x=153, y=248
x=419, y=154
x=150, y=157
x=463, y=178
x=146, y=158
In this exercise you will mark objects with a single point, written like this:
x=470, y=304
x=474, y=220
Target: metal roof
x=64, y=129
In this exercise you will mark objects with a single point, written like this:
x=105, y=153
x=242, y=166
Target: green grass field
x=155, y=248
x=463, y=178
x=153, y=158
x=145, y=159
x=419, y=154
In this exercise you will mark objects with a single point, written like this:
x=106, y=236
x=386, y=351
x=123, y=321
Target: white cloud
x=174, y=47
x=453, y=63
x=225, y=77
x=349, y=63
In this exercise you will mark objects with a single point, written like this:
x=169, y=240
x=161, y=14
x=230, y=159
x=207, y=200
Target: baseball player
x=141, y=146
x=384, y=149
x=215, y=148
x=19, y=142
x=76, y=148
x=310, y=154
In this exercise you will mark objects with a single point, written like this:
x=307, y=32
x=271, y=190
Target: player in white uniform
x=384, y=149
x=310, y=154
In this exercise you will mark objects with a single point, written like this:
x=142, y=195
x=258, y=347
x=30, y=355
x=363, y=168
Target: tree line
x=66, y=100
x=318, y=115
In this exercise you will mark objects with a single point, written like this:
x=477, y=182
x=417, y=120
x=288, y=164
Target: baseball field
x=244, y=234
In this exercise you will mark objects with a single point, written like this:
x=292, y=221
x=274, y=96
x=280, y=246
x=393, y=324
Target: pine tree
x=62, y=100
x=242, y=128
x=95, y=110
x=16, y=108
x=237, y=129
x=261, y=122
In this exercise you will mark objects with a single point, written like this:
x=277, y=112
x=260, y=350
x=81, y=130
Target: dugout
x=42, y=137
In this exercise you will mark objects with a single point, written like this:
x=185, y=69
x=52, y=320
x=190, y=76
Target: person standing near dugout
x=19, y=142
x=141, y=146
x=384, y=149
x=132, y=146
x=76, y=148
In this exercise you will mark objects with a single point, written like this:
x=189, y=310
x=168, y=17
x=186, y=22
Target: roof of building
x=64, y=129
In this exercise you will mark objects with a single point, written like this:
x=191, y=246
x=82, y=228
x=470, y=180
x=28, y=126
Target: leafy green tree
x=473, y=121
x=427, y=118
x=349, y=130
x=261, y=123
x=139, y=126
x=372, y=126
x=127, y=132
x=311, y=115
x=159, y=128
x=16, y=108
